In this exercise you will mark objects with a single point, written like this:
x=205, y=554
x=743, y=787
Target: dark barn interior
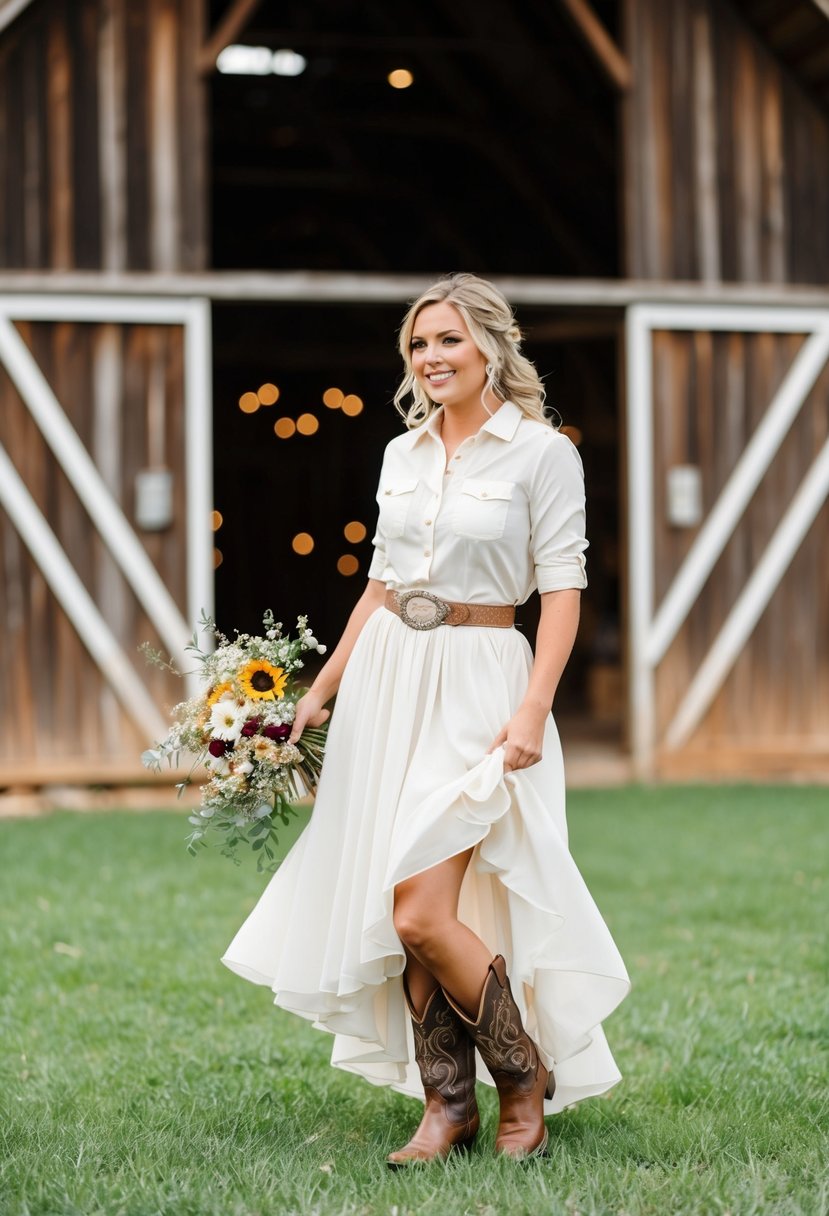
x=501, y=157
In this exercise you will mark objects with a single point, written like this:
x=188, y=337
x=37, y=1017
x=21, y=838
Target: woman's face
x=445, y=360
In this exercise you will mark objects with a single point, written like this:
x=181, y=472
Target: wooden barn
x=212, y=215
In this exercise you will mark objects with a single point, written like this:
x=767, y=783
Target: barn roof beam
x=612, y=61
x=10, y=10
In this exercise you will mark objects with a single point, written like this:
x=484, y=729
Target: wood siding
x=102, y=137
x=710, y=393
x=121, y=388
x=726, y=156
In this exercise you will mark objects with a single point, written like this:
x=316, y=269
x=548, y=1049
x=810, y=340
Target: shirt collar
x=503, y=423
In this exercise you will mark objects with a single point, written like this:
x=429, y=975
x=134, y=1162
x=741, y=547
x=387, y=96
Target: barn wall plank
x=81, y=83
x=102, y=376
x=707, y=91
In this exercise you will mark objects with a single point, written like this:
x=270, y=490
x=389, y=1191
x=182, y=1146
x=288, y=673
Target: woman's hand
x=310, y=711
x=523, y=736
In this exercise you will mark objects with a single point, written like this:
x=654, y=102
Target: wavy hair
x=492, y=326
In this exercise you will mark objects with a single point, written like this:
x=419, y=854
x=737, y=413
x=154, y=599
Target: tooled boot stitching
x=445, y=1056
x=507, y=1050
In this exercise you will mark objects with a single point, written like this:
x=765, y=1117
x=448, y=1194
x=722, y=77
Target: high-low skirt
x=407, y=783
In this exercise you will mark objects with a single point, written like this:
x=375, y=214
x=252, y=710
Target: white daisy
x=226, y=720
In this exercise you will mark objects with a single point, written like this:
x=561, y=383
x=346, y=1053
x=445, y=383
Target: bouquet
x=238, y=727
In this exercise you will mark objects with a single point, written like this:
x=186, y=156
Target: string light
x=302, y=543
x=240, y=60
x=333, y=398
x=400, y=78
x=354, y=532
x=284, y=428
x=218, y=558
x=352, y=405
x=248, y=403
x=268, y=394
x=307, y=424
x=348, y=564
x=288, y=63
x=216, y=520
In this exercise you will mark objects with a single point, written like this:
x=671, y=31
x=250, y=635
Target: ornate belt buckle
x=421, y=609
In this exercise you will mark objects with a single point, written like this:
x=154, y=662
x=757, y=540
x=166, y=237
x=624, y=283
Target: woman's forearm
x=556, y=634
x=328, y=679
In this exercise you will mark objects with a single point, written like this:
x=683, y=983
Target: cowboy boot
x=445, y=1056
x=512, y=1058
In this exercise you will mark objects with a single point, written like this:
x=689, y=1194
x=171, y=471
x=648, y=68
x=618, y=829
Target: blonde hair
x=494, y=331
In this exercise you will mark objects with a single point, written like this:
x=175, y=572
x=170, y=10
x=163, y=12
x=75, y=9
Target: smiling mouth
x=439, y=377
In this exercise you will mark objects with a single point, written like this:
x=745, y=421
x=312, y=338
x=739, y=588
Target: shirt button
x=427, y=521
x=484, y=494
x=427, y=552
x=456, y=457
x=388, y=491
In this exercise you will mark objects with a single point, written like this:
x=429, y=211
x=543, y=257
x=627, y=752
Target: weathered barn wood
x=104, y=375
x=727, y=158
x=712, y=391
x=106, y=170
x=722, y=164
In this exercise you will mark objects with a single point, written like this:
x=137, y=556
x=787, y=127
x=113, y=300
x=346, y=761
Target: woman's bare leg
x=426, y=918
x=419, y=981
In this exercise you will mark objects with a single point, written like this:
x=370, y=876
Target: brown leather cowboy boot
x=445, y=1056
x=511, y=1056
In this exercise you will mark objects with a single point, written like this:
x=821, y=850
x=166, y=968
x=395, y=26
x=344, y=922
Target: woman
x=434, y=875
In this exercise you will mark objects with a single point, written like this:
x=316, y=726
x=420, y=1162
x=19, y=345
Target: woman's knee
x=417, y=926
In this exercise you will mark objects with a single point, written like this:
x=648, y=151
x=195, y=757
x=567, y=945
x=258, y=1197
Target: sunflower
x=262, y=681
x=218, y=692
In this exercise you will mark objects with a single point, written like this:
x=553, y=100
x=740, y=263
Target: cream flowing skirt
x=407, y=783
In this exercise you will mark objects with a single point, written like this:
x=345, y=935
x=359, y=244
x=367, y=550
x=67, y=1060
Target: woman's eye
x=452, y=340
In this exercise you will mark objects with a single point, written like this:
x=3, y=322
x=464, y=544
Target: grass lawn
x=139, y=1076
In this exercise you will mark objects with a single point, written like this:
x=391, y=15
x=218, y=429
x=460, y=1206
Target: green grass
x=139, y=1076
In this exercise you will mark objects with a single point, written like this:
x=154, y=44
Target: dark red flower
x=277, y=732
x=251, y=727
x=217, y=747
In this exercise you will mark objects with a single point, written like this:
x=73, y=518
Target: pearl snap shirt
x=506, y=516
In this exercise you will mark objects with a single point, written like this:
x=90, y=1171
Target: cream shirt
x=505, y=517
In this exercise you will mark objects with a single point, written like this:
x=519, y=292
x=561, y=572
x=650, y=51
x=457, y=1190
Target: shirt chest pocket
x=482, y=508
x=395, y=503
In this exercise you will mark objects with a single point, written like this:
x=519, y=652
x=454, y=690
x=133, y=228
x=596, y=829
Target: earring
x=489, y=369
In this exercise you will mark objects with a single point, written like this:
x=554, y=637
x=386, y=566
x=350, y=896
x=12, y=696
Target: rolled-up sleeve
x=557, y=517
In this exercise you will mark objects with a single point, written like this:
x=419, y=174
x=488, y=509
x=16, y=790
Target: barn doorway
x=500, y=156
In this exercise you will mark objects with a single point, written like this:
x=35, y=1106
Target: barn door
x=105, y=501
x=728, y=546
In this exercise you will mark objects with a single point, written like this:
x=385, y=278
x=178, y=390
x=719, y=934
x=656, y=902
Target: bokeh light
x=268, y=394
x=354, y=532
x=352, y=405
x=284, y=428
x=216, y=520
x=302, y=543
x=348, y=564
x=333, y=398
x=307, y=424
x=218, y=558
x=248, y=403
x=400, y=78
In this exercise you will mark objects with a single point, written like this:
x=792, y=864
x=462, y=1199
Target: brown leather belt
x=423, y=610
